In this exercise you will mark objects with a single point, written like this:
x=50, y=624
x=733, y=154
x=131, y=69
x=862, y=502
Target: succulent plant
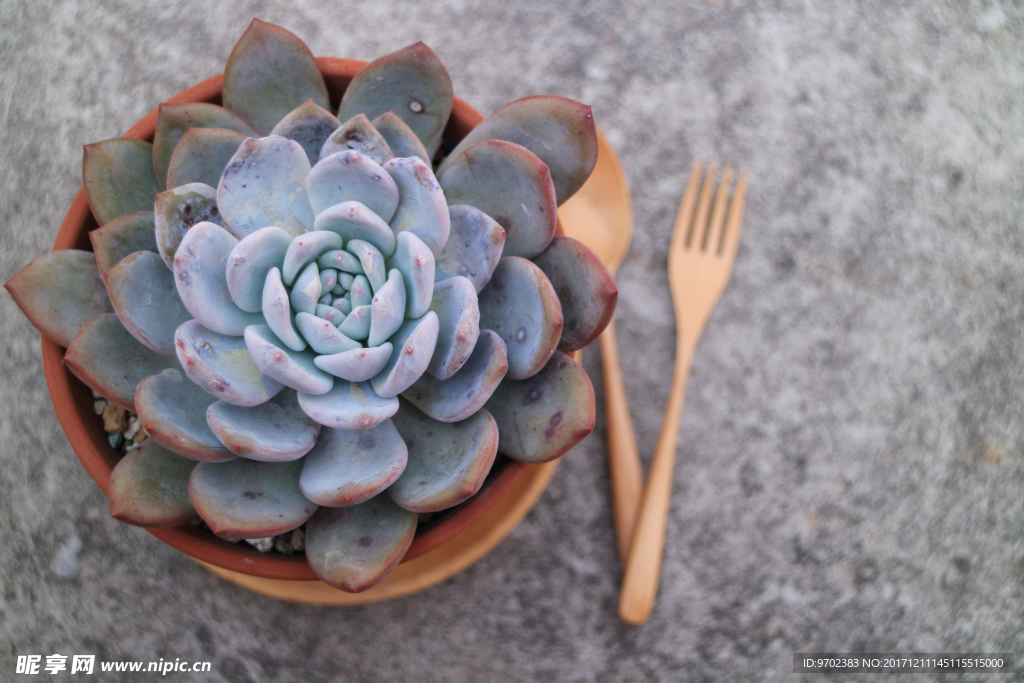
x=313, y=326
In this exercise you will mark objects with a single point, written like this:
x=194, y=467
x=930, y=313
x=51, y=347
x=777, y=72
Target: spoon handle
x=623, y=457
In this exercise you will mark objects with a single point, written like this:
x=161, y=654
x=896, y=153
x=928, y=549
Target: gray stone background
x=850, y=470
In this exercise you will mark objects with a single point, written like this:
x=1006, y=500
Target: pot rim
x=72, y=399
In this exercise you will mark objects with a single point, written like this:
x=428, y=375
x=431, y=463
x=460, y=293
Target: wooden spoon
x=601, y=216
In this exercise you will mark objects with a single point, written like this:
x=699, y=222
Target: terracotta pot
x=73, y=400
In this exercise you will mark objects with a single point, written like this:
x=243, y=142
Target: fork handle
x=643, y=568
x=623, y=456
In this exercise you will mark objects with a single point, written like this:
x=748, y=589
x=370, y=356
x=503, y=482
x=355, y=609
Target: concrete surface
x=850, y=470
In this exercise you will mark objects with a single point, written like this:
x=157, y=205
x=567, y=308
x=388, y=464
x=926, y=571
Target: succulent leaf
x=278, y=313
x=473, y=247
x=357, y=324
x=585, y=289
x=387, y=310
x=360, y=292
x=111, y=361
x=294, y=369
x=356, y=221
x=328, y=279
x=542, y=417
x=349, y=405
x=177, y=210
x=357, y=134
x=356, y=365
x=144, y=297
x=355, y=547
x=351, y=176
x=119, y=177
x=400, y=137
x=59, y=292
x=201, y=156
x=414, y=344
x=249, y=499
x=347, y=467
x=372, y=262
x=521, y=306
x=310, y=126
x=122, y=236
x=173, y=411
x=511, y=185
x=558, y=130
x=448, y=461
x=341, y=261
x=149, y=488
x=322, y=335
x=411, y=82
x=275, y=431
x=306, y=289
x=465, y=392
x=421, y=205
x=458, y=313
x=414, y=260
x=249, y=263
x=265, y=184
x=172, y=120
x=222, y=366
x=306, y=249
x=332, y=314
x=199, y=273
x=271, y=72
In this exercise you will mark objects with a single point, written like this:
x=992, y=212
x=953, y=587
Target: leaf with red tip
x=119, y=177
x=511, y=185
x=222, y=366
x=149, y=488
x=458, y=313
x=400, y=137
x=356, y=221
x=122, y=236
x=293, y=369
x=585, y=289
x=177, y=210
x=59, y=292
x=352, y=177
x=111, y=361
x=473, y=248
x=465, y=392
x=172, y=120
x=310, y=126
x=145, y=299
x=249, y=263
x=199, y=273
x=275, y=431
x=542, y=417
x=347, y=466
x=421, y=205
x=414, y=344
x=558, y=130
x=520, y=304
x=202, y=155
x=414, y=260
x=349, y=405
x=355, y=547
x=271, y=72
x=172, y=408
x=448, y=461
x=356, y=365
x=249, y=499
x=413, y=83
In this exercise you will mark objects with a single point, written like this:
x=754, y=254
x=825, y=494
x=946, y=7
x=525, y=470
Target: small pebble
x=133, y=428
x=115, y=440
x=141, y=435
x=98, y=406
x=298, y=540
x=114, y=419
x=283, y=545
x=264, y=545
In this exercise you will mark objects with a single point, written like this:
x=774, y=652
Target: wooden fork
x=700, y=259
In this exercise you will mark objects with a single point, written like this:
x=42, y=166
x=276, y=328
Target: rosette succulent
x=315, y=326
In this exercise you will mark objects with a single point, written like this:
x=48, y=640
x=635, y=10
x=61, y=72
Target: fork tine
x=684, y=219
x=714, y=233
x=701, y=220
x=734, y=222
